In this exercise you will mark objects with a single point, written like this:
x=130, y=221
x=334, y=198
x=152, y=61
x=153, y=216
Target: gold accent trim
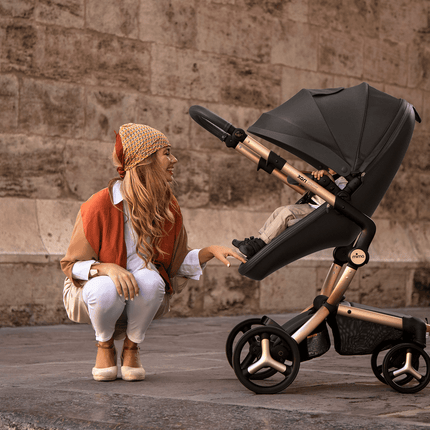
x=266, y=360
x=331, y=279
x=370, y=316
x=322, y=313
x=290, y=171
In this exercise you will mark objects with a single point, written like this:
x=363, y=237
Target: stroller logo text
x=358, y=257
x=302, y=178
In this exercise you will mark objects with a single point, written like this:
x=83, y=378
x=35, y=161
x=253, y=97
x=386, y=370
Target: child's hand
x=318, y=174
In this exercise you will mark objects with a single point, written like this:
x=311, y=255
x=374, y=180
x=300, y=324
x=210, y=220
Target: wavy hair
x=149, y=197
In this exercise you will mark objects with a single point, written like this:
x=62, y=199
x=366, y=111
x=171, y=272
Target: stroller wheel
x=266, y=350
x=377, y=359
x=235, y=333
x=406, y=368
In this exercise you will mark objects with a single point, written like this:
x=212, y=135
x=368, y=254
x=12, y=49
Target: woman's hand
x=219, y=252
x=124, y=281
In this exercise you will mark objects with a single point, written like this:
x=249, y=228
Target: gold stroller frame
x=334, y=287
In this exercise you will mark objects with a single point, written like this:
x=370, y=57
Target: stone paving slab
x=46, y=383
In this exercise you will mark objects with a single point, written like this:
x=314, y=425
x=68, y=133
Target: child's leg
x=276, y=223
x=281, y=218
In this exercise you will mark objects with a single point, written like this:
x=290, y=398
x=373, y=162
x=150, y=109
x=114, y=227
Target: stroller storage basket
x=356, y=337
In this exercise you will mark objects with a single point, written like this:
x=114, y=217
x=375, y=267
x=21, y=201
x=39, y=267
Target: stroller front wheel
x=406, y=368
x=268, y=350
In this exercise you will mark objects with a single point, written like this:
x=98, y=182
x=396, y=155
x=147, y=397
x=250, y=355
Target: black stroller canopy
x=341, y=128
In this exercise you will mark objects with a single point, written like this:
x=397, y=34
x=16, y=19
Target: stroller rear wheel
x=270, y=351
x=406, y=368
x=235, y=333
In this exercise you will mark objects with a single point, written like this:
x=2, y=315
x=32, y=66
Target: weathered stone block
x=419, y=234
x=168, y=22
x=386, y=61
x=340, y=53
x=53, y=109
x=206, y=227
x=425, y=125
x=382, y=287
x=226, y=292
x=399, y=203
x=193, y=178
x=418, y=155
x=392, y=243
x=297, y=10
x=277, y=8
x=189, y=303
x=120, y=18
x=31, y=314
x=250, y=84
x=88, y=167
x=66, y=13
x=419, y=61
x=106, y=111
x=63, y=53
x=115, y=61
x=184, y=73
x=293, y=80
x=169, y=115
x=295, y=44
x=22, y=46
x=9, y=91
x=421, y=287
x=290, y=288
x=247, y=37
x=56, y=219
x=360, y=18
x=31, y=167
x=17, y=8
x=236, y=184
x=401, y=19
x=20, y=238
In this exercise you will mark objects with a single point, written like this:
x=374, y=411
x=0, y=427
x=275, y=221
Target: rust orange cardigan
x=99, y=234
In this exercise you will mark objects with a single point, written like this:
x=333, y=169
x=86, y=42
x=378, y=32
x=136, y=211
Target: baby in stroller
x=285, y=216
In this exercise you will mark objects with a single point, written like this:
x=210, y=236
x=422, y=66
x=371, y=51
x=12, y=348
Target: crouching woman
x=128, y=252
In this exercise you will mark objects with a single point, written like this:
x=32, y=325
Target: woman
x=128, y=252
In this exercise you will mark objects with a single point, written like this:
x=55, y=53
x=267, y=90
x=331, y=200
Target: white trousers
x=281, y=218
x=105, y=305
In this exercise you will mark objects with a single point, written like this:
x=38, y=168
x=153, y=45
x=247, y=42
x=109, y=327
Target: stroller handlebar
x=213, y=123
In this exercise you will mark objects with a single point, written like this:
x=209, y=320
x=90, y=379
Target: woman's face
x=167, y=162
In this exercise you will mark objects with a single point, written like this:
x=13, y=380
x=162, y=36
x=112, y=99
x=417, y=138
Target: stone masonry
x=73, y=71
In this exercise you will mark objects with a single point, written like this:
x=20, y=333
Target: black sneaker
x=249, y=247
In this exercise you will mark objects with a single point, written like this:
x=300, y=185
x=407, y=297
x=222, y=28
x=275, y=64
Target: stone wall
x=72, y=71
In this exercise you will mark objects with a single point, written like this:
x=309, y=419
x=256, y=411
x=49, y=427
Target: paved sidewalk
x=46, y=383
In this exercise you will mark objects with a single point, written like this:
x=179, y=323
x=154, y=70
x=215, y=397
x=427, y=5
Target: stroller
x=362, y=134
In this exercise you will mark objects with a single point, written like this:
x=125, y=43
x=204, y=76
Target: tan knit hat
x=139, y=142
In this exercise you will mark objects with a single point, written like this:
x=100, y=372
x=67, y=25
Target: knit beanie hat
x=135, y=142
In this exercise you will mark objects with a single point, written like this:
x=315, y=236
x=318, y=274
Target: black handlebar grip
x=213, y=123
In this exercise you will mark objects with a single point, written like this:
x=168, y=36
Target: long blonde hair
x=148, y=196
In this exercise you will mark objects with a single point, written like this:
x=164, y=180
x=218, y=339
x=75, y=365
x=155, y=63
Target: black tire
x=282, y=351
x=410, y=360
x=237, y=332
